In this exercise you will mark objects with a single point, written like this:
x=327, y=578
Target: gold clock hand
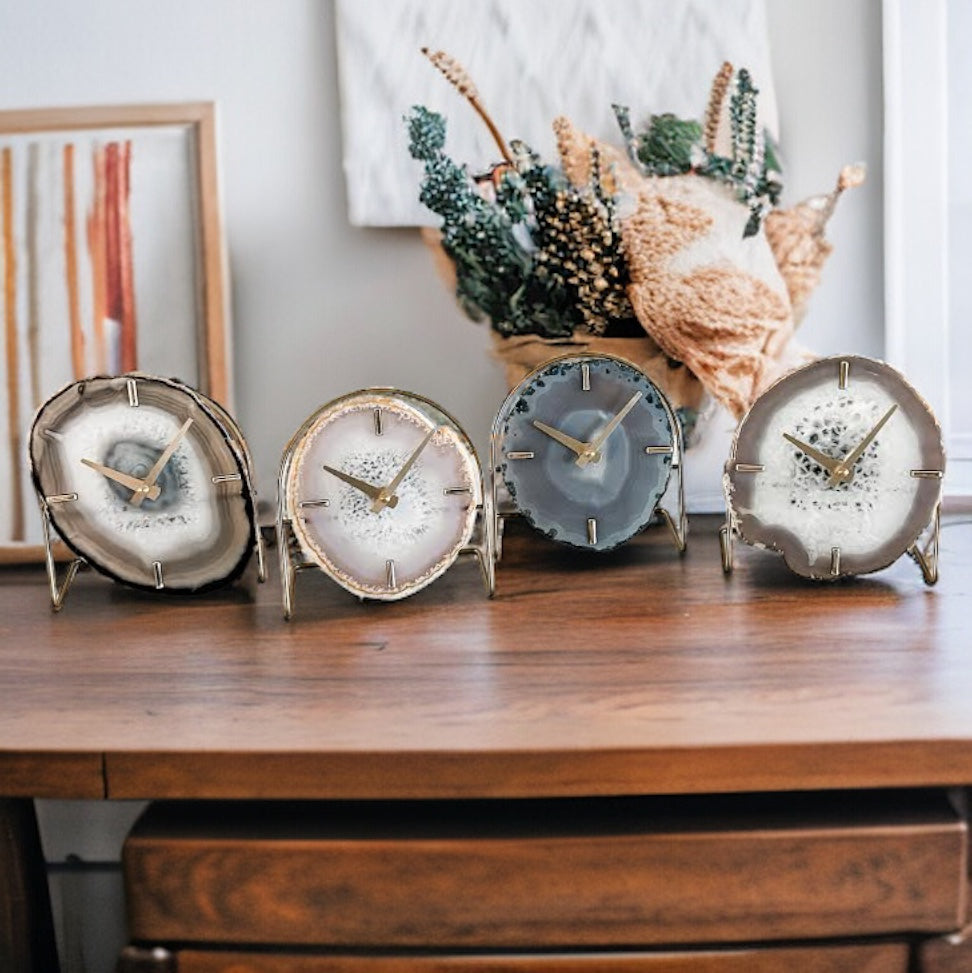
x=133, y=483
x=153, y=474
x=369, y=490
x=829, y=463
x=592, y=453
x=387, y=493
x=575, y=445
x=844, y=472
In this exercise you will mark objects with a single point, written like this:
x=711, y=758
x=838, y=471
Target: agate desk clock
x=584, y=447
x=381, y=490
x=839, y=467
x=146, y=480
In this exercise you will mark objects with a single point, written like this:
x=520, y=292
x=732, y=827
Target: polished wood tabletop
x=636, y=672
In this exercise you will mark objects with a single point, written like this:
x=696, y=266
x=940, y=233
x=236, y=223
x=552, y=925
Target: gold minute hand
x=386, y=496
x=845, y=471
x=369, y=490
x=153, y=474
x=591, y=454
x=575, y=445
x=829, y=463
x=133, y=483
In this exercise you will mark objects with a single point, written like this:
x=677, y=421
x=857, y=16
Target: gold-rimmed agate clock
x=584, y=448
x=382, y=491
x=146, y=480
x=838, y=466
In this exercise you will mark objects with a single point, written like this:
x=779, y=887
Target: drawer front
x=882, y=958
x=595, y=882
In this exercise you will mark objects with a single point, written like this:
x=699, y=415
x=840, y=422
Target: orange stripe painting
x=11, y=346
x=71, y=267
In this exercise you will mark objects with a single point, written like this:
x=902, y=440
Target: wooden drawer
x=881, y=958
x=546, y=874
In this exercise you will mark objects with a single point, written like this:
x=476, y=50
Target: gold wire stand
x=292, y=559
x=678, y=527
x=59, y=589
x=924, y=555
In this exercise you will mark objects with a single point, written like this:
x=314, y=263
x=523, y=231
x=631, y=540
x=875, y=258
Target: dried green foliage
x=535, y=256
x=671, y=146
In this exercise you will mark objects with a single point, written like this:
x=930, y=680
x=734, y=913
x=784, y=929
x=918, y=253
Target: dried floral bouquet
x=672, y=253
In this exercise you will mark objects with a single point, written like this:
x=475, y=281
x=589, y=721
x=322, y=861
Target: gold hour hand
x=592, y=453
x=844, y=472
x=137, y=486
x=166, y=455
x=386, y=495
x=575, y=445
x=829, y=463
x=368, y=489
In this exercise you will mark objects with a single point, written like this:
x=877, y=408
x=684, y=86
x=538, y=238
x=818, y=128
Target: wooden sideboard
x=627, y=762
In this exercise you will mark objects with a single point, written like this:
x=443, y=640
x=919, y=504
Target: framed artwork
x=113, y=260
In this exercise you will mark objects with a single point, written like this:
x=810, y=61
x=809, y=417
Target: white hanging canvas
x=531, y=61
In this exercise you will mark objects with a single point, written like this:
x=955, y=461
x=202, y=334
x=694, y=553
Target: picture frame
x=112, y=259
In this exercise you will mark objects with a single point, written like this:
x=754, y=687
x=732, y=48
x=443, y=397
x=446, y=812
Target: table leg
x=27, y=942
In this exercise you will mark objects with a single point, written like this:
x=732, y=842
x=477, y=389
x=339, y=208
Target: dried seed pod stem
x=716, y=107
x=459, y=78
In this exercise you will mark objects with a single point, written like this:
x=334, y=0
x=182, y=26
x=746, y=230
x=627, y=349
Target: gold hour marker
x=377, y=422
x=658, y=450
x=315, y=503
x=835, y=560
x=928, y=474
x=390, y=574
x=749, y=468
x=591, y=530
x=456, y=491
x=157, y=568
x=586, y=377
x=520, y=454
x=843, y=374
x=226, y=477
x=61, y=498
x=132, y=393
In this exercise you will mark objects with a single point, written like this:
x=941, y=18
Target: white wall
x=320, y=308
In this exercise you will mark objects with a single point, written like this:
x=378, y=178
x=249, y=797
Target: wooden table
x=637, y=674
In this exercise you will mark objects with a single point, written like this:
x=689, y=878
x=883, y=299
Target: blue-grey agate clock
x=585, y=447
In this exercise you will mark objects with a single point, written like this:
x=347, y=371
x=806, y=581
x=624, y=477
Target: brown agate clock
x=146, y=480
x=839, y=467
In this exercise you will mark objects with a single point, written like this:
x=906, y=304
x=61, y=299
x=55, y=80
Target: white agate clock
x=146, y=480
x=839, y=467
x=381, y=490
x=585, y=447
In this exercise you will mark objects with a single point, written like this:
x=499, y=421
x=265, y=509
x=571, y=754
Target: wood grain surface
x=553, y=874
x=635, y=672
x=877, y=958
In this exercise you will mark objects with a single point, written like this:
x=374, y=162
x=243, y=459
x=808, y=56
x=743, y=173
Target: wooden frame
x=169, y=152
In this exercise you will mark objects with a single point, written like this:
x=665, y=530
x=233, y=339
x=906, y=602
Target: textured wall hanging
x=532, y=62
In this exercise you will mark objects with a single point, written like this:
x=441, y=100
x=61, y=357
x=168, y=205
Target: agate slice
x=600, y=500
x=190, y=527
x=838, y=466
x=343, y=457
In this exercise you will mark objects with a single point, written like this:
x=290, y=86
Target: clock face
x=585, y=446
x=382, y=489
x=146, y=480
x=838, y=466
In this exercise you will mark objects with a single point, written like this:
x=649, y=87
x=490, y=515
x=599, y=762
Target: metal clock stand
x=292, y=558
x=924, y=551
x=503, y=508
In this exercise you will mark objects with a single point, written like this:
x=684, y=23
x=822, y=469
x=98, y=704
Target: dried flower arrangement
x=673, y=253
